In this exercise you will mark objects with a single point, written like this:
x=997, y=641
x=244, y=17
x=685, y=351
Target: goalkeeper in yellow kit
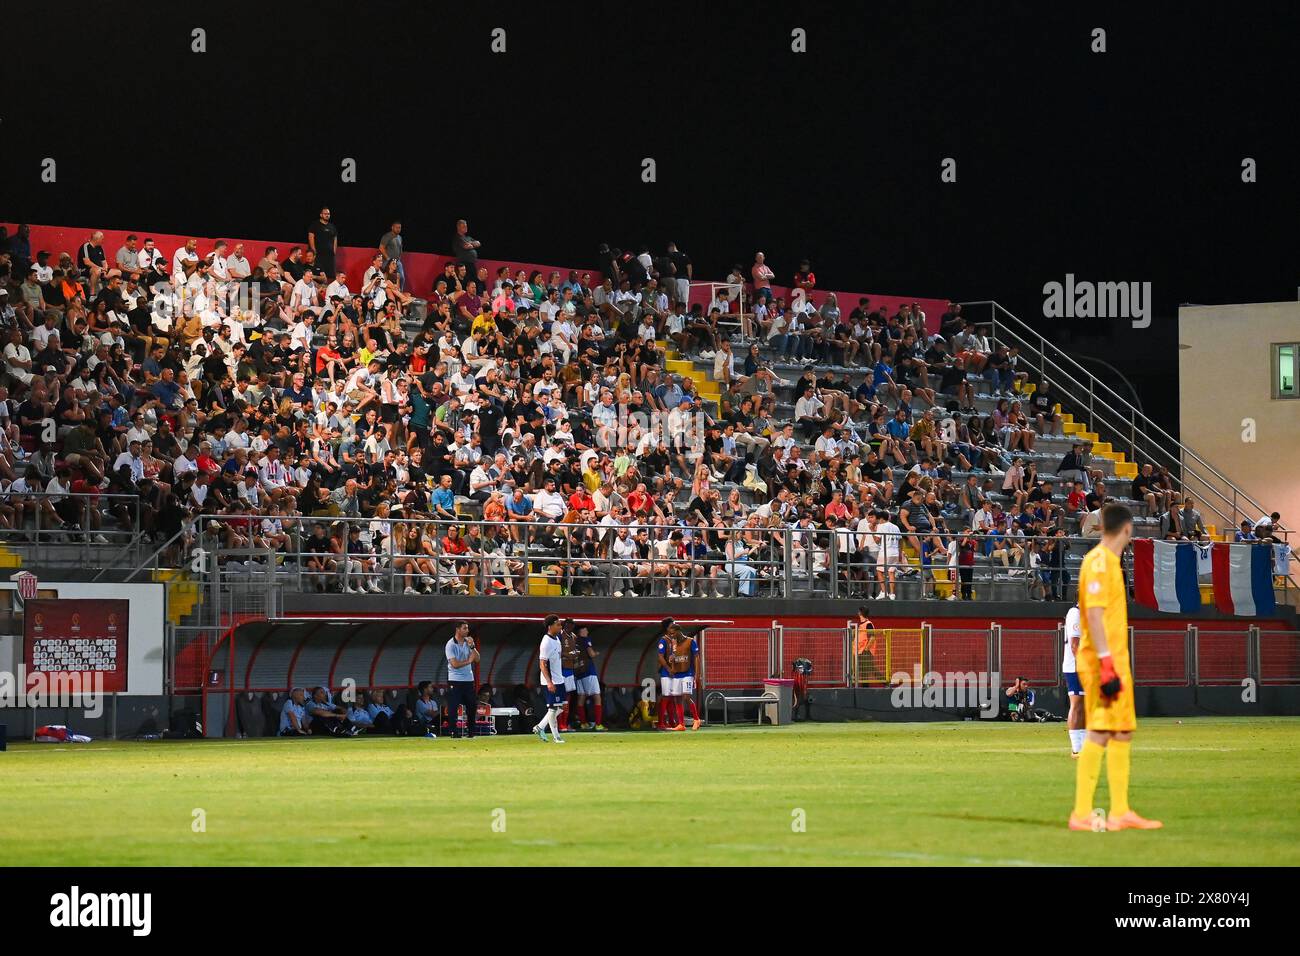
x=1103, y=668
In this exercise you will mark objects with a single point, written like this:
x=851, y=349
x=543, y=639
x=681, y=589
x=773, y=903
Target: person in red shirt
x=639, y=501
x=205, y=461
x=581, y=500
x=454, y=547
x=805, y=278
x=80, y=486
x=330, y=360
x=836, y=508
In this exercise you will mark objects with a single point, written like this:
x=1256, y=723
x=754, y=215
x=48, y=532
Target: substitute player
x=663, y=648
x=570, y=656
x=548, y=660
x=1074, y=690
x=684, y=657
x=1103, y=668
x=587, y=683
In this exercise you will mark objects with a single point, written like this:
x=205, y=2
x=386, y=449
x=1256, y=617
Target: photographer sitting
x=1018, y=701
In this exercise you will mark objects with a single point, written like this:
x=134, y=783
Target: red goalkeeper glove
x=1110, y=682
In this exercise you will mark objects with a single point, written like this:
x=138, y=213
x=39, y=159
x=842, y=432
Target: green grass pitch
x=870, y=793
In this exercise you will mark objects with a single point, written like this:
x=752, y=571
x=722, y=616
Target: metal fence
x=1161, y=658
x=737, y=656
x=74, y=530
x=473, y=556
x=826, y=647
x=961, y=651
x=1029, y=653
x=1222, y=657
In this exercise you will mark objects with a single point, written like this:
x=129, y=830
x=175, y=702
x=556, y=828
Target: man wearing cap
x=44, y=271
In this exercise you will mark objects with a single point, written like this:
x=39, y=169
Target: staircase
x=182, y=592
x=1119, y=431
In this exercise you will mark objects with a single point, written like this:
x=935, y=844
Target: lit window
x=1286, y=365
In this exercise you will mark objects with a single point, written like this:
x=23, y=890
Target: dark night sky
x=1123, y=166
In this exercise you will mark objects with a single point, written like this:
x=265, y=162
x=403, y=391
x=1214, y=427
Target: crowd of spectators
x=254, y=394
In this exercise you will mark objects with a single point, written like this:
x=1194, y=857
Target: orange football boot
x=1131, y=821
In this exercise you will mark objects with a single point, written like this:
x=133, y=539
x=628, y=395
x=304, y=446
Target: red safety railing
x=954, y=651
x=1222, y=657
x=1279, y=657
x=1030, y=654
x=1160, y=658
x=824, y=646
x=735, y=657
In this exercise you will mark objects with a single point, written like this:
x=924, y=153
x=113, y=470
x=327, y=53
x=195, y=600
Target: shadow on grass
x=970, y=817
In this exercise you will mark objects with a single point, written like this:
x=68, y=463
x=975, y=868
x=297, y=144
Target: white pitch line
x=882, y=854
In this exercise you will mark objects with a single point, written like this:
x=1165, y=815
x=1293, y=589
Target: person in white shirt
x=891, y=537
x=42, y=333
x=182, y=464
x=149, y=256
x=186, y=253
x=236, y=265
x=1075, y=721
x=18, y=358
x=548, y=504
x=305, y=294
x=131, y=460
x=548, y=657
x=338, y=289
x=623, y=549
x=481, y=481
x=300, y=334
x=219, y=264
x=272, y=475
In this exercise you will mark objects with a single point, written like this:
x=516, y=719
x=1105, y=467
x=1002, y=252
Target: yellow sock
x=1118, y=755
x=1085, y=784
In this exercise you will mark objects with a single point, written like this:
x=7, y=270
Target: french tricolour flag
x=1243, y=579
x=1164, y=575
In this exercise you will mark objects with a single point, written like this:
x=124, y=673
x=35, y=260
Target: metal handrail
x=1082, y=378
x=42, y=536
x=185, y=529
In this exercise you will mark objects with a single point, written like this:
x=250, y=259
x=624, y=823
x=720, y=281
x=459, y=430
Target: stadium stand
x=413, y=424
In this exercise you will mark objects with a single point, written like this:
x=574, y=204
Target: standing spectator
x=323, y=239
x=683, y=271
x=465, y=247
x=462, y=655
x=390, y=247
x=762, y=275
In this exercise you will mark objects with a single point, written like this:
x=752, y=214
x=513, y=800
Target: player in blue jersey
x=587, y=684
x=682, y=660
x=663, y=648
